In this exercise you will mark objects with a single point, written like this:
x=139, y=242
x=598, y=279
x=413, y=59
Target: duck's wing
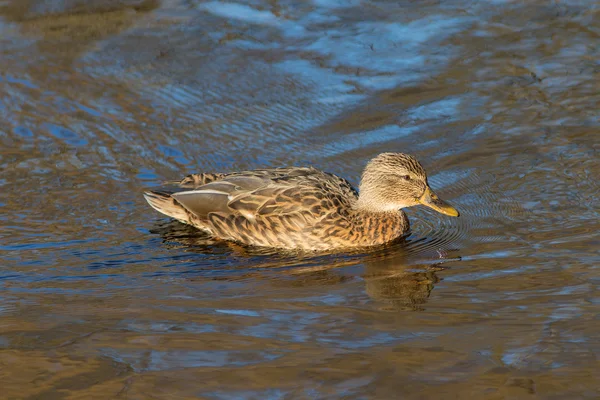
x=259, y=192
x=267, y=202
x=217, y=196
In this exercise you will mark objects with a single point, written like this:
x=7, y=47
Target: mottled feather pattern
x=297, y=207
x=193, y=181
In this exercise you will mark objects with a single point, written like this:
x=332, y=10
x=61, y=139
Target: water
x=102, y=297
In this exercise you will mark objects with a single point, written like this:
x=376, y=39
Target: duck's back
x=281, y=207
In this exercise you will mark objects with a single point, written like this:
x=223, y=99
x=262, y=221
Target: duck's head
x=392, y=181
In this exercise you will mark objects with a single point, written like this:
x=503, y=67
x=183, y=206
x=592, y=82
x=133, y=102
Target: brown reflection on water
x=390, y=283
x=101, y=297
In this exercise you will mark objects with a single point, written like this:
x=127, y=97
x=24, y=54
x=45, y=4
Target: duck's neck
x=380, y=226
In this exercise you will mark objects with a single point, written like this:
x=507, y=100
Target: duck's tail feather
x=163, y=202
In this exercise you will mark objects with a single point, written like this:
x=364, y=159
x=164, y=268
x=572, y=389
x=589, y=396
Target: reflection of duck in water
x=390, y=277
x=399, y=286
x=402, y=290
x=303, y=208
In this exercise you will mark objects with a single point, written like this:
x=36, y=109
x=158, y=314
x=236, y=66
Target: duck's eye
x=405, y=177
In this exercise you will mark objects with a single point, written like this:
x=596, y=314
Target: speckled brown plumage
x=298, y=207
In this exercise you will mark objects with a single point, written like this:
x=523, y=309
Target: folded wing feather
x=291, y=194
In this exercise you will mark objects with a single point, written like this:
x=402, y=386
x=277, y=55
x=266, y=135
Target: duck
x=302, y=208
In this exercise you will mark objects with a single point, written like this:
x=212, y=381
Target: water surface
x=102, y=297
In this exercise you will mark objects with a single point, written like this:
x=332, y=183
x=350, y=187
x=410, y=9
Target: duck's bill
x=431, y=200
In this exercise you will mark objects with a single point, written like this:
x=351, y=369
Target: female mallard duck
x=303, y=208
